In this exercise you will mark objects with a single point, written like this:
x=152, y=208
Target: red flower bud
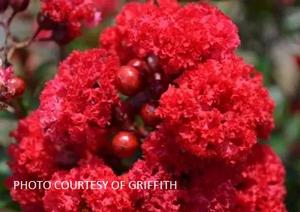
x=19, y=5
x=61, y=34
x=159, y=84
x=129, y=80
x=3, y=5
x=152, y=62
x=124, y=144
x=45, y=22
x=139, y=65
x=148, y=115
x=17, y=85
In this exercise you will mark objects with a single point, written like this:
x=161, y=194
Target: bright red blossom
x=180, y=36
x=77, y=104
x=32, y=159
x=254, y=185
x=219, y=109
x=261, y=182
x=32, y=155
x=46, y=137
x=211, y=109
x=151, y=200
x=97, y=200
x=161, y=147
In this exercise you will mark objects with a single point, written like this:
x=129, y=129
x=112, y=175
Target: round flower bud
x=3, y=5
x=140, y=65
x=129, y=80
x=61, y=34
x=152, y=62
x=45, y=22
x=148, y=115
x=124, y=144
x=158, y=85
x=17, y=85
x=19, y=5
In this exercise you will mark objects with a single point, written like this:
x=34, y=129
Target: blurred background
x=270, y=37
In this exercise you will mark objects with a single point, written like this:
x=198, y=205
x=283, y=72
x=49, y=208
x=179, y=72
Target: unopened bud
x=61, y=34
x=3, y=5
x=19, y=5
x=45, y=22
x=17, y=85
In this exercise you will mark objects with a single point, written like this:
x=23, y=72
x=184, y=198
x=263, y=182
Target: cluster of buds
x=16, y=5
x=142, y=82
x=58, y=31
x=63, y=21
x=10, y=86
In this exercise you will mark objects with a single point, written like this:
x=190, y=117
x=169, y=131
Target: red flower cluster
x=152, y=200
x=78, y=200
x=76, y=106
x=65, y=18
x=69, y=127
x=207, y=110
x=254, y=185
x=181, y=37
x=218, y=109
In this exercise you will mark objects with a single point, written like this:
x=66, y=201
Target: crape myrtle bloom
x=76, y=106
x=75, y=109
x=256, y=184
x=69, y=200
x=28, y=199
x=35, y=158
x=242, y=186
x=219, y=109
x=180, y=36
x=31, y=155
x=152, y=199
x=31, y=159
x=66, y=18
x=207, y=120
x=201, y=186
x=161, y=147
x=83, y=88
x=260, y=183
x=209, y=187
